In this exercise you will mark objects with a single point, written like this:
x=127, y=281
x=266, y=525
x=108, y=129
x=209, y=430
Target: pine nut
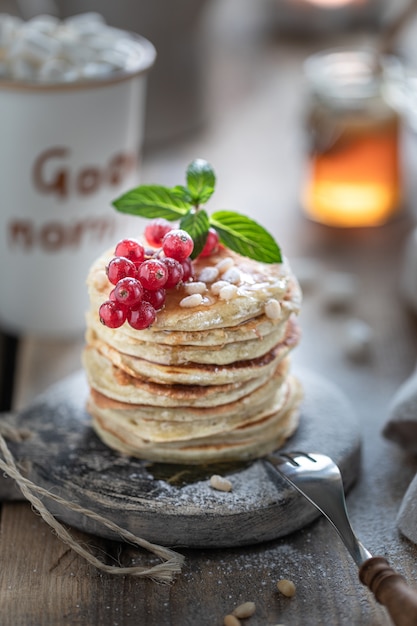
x=215, y=288
x=231, y=620
x=209, y=274
x=232, y=275
x=273, y=309
x=228, y=292
x=195, y=287
x=286, y=587
x=225, y=264
x=220, y=483
x=191, y=301
x=247, y=609
x=100, y=280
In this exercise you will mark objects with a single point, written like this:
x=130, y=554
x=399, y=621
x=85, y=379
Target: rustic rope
x=162, y=572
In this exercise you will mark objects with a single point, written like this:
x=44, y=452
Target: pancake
x=222, y=354
x=254, y=328
x=250, y=330
x=259, y=283
x=204, y=383
x=112, y=382
x=191, y=373
x=207, y=372
x=252, y=440
x=188, y=424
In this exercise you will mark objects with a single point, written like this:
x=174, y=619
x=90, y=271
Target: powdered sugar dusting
x=250, y=486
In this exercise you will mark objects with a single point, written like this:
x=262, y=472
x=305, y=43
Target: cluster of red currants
x=141, y=276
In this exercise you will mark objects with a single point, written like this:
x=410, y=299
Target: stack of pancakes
x=205, y=383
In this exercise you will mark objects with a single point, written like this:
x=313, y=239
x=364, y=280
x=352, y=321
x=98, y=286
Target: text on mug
x=51, y=173
x=56, y=236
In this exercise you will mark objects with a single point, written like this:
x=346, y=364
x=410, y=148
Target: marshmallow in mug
x=48, y=50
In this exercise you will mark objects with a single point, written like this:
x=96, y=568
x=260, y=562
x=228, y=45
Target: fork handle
x=391, y=590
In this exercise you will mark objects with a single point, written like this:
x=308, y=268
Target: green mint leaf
x=153, y=201
x=183, y=192
x=201, y=181
x=196, y=223
x=245, y=236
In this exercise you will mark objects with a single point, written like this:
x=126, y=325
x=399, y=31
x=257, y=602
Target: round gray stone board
x=175, y=505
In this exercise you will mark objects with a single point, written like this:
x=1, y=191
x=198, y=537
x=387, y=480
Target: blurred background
x=193, y=35
x=229, y=85
x=321, y=150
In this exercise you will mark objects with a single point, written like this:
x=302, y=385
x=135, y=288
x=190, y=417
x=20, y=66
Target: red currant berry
x=131, y=249
x=141, y=316
x=212, y=243
x=128, y=291
x=111, y=314
x=175, y=272
x=188, y=269
x=152, y=274
x=156, y=230
x=177, y=244
x=156, y=298
x=112, y=297
x=120, y=267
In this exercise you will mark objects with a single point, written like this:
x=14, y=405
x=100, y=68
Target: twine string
x=162, y=572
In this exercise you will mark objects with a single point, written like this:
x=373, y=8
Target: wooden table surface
x=254, y=139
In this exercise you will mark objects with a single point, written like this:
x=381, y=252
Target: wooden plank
x=44, y=581
x=47, y=585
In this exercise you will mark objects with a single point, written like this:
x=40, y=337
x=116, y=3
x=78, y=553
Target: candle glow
x=356, y=182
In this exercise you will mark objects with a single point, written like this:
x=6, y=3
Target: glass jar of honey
x=353, y=172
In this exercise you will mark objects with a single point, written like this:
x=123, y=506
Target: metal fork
x=318, y=479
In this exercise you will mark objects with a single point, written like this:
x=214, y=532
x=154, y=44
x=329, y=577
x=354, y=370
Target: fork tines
x=290, y=456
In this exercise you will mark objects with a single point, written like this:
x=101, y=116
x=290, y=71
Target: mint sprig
x=197, y=225
x=245, y=236
x=237, y=232
x=201, y=181
x=154, y=201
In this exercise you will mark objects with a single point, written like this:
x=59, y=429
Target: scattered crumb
x=220, y=483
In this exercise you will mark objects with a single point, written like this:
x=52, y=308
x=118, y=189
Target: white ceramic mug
x=66, y=151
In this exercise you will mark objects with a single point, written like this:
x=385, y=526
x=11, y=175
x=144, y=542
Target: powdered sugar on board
x=175, y=505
